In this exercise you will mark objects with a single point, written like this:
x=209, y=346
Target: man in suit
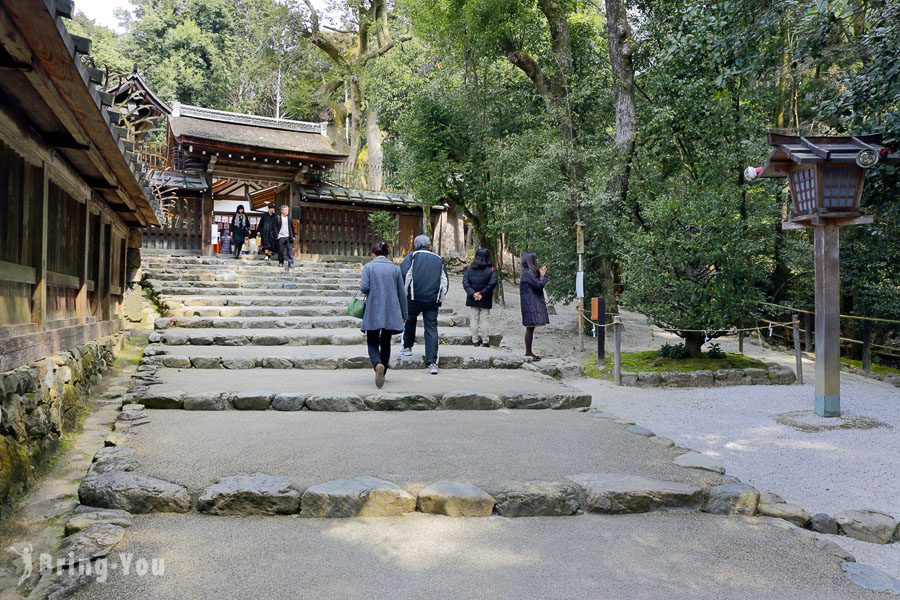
x=285, y=238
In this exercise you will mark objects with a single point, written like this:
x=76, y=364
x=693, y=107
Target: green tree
x=384, y=225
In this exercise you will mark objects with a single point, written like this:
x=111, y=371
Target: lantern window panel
x=803, y=182
x=840, y=186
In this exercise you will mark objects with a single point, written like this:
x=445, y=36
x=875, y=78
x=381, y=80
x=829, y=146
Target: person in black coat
x=268, y=230
x=479, y=281
x=531, y=293
x=240, y=226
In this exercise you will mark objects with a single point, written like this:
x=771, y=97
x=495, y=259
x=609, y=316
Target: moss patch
x=877, y=369
x=15, y=468
x=649, y=361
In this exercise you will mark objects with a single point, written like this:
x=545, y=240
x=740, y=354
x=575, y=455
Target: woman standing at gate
x=268, y=229
x=533, y=304
x=386, y=310
x=239, y=228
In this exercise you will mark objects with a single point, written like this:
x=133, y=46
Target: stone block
x=289, y=401
x=401, y=401
x=255, y=494
x=469, y=400
x=539, y=499
x=615, y=493
x=133, y=492
x=455, y=499
x=256, y=400
x=358, y=497
x=732, y=499
x=335, y=402
x=867, y=525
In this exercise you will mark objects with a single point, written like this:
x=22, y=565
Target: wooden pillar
x=828, y=321
x=206, y=220
x=82, y=301
x=293, y=200
x=39, y=249
x=101, y=286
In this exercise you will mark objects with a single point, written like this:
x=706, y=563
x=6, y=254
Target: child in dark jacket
x=479, y=281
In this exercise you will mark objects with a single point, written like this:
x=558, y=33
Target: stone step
x=292, y=337
x=335, y=309
x=278, y=323
x=263, y=286
x=191, y=290
x=206, y=300
x=353, y=390
x=335, y=306
x=274, y=323
x=215, y=263
x=241, y=277
x=320, y=357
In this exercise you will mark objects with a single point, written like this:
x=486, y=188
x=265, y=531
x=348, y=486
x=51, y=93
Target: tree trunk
x=355, y=127
x=374, y=153
x=620, y=58
x=693, y=343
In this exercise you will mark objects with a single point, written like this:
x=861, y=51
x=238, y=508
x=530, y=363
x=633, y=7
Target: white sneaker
x=406, y=352
x=432, y=369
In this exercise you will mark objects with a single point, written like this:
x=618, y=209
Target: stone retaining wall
x=774, y=374
x=41, y=401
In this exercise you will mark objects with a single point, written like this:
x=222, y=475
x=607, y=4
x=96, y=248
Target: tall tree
x=351, y=50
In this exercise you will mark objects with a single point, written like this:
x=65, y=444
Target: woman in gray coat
x=385, y=307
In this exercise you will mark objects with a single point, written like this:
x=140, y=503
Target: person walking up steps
x=386, y=309
x=425, y=280
x=268, y=229
x=479, y=281
x=240, y=226
x=534, y=306
x=285, y=238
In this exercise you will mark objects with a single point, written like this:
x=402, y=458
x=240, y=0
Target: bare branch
x=384, y=48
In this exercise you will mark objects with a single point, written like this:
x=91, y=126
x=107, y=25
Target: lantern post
x=825, y=175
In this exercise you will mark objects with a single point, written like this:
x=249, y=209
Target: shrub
x=715, y=351
x=677, y=351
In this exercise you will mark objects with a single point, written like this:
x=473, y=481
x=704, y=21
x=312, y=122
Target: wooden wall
x=62, y=258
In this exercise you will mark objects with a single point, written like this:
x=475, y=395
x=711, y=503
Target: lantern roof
x=790, y=151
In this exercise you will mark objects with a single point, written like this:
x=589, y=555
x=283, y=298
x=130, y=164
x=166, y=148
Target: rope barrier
x=808, y=312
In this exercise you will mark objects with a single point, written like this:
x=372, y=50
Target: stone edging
x=350, y=402
x=774, y=374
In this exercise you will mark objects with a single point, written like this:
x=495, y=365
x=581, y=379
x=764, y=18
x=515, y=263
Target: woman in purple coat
x=531, y=293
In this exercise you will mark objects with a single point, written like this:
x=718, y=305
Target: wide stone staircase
x=247, y=334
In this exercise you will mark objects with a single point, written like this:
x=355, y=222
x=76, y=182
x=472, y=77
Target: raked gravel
x=825, y=471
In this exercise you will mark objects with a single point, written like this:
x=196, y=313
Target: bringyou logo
x=126, y=564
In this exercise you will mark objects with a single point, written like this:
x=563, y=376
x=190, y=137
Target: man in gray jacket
x=426, y=281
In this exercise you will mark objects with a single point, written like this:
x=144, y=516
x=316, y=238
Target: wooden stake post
x=798, y=356
x=617, y=349
x=598, y=315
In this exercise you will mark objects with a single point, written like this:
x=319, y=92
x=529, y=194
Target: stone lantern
x=826, y=177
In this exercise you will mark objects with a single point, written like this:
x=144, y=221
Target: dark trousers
x=429, y=314
x=379, y=343
x=237, y=247
x=285, y=251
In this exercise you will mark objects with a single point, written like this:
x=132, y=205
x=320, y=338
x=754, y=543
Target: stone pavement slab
x=486, y=448
x=330, y=357
x=639, y=557
x=294, y=337
x=360, y=381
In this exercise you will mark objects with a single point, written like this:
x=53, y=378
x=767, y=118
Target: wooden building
x=207, y=162
x=73, y=191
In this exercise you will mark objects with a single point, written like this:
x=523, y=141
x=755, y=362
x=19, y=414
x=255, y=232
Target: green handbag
x=357, y=307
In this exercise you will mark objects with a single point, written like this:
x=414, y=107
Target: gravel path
x=640, y=557
x=483, y=447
